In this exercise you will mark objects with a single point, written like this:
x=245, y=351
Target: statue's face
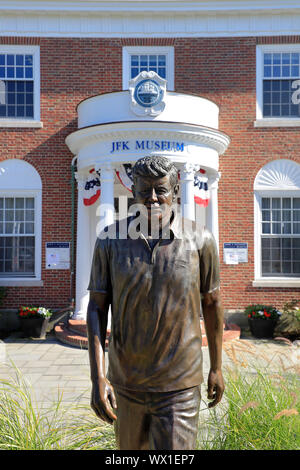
x=157, y=194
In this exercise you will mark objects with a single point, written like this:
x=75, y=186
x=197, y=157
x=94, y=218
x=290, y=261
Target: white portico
x=119, y=128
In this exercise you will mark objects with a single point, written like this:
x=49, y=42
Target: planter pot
x=261, y=328
x=34, y=327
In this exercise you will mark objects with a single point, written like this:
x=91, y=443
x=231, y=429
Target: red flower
x=267, y=314
x=249, y=315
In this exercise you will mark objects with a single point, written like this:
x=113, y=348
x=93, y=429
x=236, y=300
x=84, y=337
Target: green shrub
x=289, y=323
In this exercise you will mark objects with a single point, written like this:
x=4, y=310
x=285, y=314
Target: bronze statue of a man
x=156, y=286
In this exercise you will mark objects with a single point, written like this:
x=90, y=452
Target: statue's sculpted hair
x=155, y=167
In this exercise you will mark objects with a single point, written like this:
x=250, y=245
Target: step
x=69, y=337
x=231, y=332
x=77, y=326
x=80, y=328
x=75, y=334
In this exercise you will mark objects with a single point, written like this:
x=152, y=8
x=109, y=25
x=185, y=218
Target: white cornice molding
x=149, y=19
x=137, y=6
x=201, y=135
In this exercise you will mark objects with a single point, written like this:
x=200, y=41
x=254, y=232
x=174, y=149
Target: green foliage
x=262, y=414
x=261, y=403
x=289, y=323
x=26, y=426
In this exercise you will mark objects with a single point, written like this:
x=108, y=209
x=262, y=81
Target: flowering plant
x=262, y=312
x=34, y=312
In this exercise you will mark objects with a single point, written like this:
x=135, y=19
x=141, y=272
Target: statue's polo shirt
x=155, y=341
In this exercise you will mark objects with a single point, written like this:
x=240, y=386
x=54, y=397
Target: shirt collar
x=171, y=230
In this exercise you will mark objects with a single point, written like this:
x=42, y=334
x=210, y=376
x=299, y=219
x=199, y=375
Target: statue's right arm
x=103, y=399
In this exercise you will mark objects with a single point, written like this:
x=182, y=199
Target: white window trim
x=167, y=50
x=36, y=279
x=35, y=122
x=260, y=120
x=259, y=280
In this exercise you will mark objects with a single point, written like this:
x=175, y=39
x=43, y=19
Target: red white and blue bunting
x=92, y=187
x=201, y=191
x=125, y=176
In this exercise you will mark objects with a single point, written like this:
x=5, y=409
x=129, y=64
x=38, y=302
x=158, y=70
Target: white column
x=106, y=207
x=187, y=173
x=212, y=209
x=82, y=253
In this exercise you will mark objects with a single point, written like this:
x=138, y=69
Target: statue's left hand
x=215, y=387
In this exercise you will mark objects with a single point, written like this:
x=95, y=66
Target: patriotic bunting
x=125, y=176
x=92, y=188
x=201, y=190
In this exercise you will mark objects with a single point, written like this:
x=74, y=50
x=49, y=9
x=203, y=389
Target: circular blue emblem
x=148, y=93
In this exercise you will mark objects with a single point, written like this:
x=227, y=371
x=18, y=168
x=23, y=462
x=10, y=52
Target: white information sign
x=235, y=253
x=57, y=255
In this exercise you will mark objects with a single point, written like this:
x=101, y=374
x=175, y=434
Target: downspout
x=72, y=297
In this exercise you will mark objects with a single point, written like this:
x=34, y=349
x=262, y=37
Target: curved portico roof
x=110, y=131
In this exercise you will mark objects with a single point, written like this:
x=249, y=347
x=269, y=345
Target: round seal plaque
x=148, y=93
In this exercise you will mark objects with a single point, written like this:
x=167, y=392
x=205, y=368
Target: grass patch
x=26, y=426
x=261, y=408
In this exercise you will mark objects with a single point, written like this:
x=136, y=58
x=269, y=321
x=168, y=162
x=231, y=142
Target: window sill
x=277, y=122
x=21, y=283
x=20, y=123
x=276, y=282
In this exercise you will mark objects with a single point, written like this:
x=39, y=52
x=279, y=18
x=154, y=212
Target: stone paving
x=55, y=369
x=52, y=369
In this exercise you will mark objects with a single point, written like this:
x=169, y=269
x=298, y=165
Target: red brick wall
x=220, y=69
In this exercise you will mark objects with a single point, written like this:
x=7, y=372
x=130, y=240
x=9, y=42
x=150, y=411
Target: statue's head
x=155, y=167
x=155, y=185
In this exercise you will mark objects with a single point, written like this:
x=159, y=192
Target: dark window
x=281, y=70
x=16, y=86
x=150, y=62
x=17, y=237
x=280, y=236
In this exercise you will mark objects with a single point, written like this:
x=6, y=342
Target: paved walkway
x=56, y=370
x=53, y=368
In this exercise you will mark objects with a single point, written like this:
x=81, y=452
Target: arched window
x=277, y=223
x=20, y=222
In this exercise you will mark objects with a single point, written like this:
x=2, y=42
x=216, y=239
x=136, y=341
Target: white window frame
x=19, y=178
x=139, y=50
x=271, y=121
x=17, y=122
x=36, y=279
x=259, y=193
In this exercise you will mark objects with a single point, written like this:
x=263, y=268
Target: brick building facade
x=220, y=67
